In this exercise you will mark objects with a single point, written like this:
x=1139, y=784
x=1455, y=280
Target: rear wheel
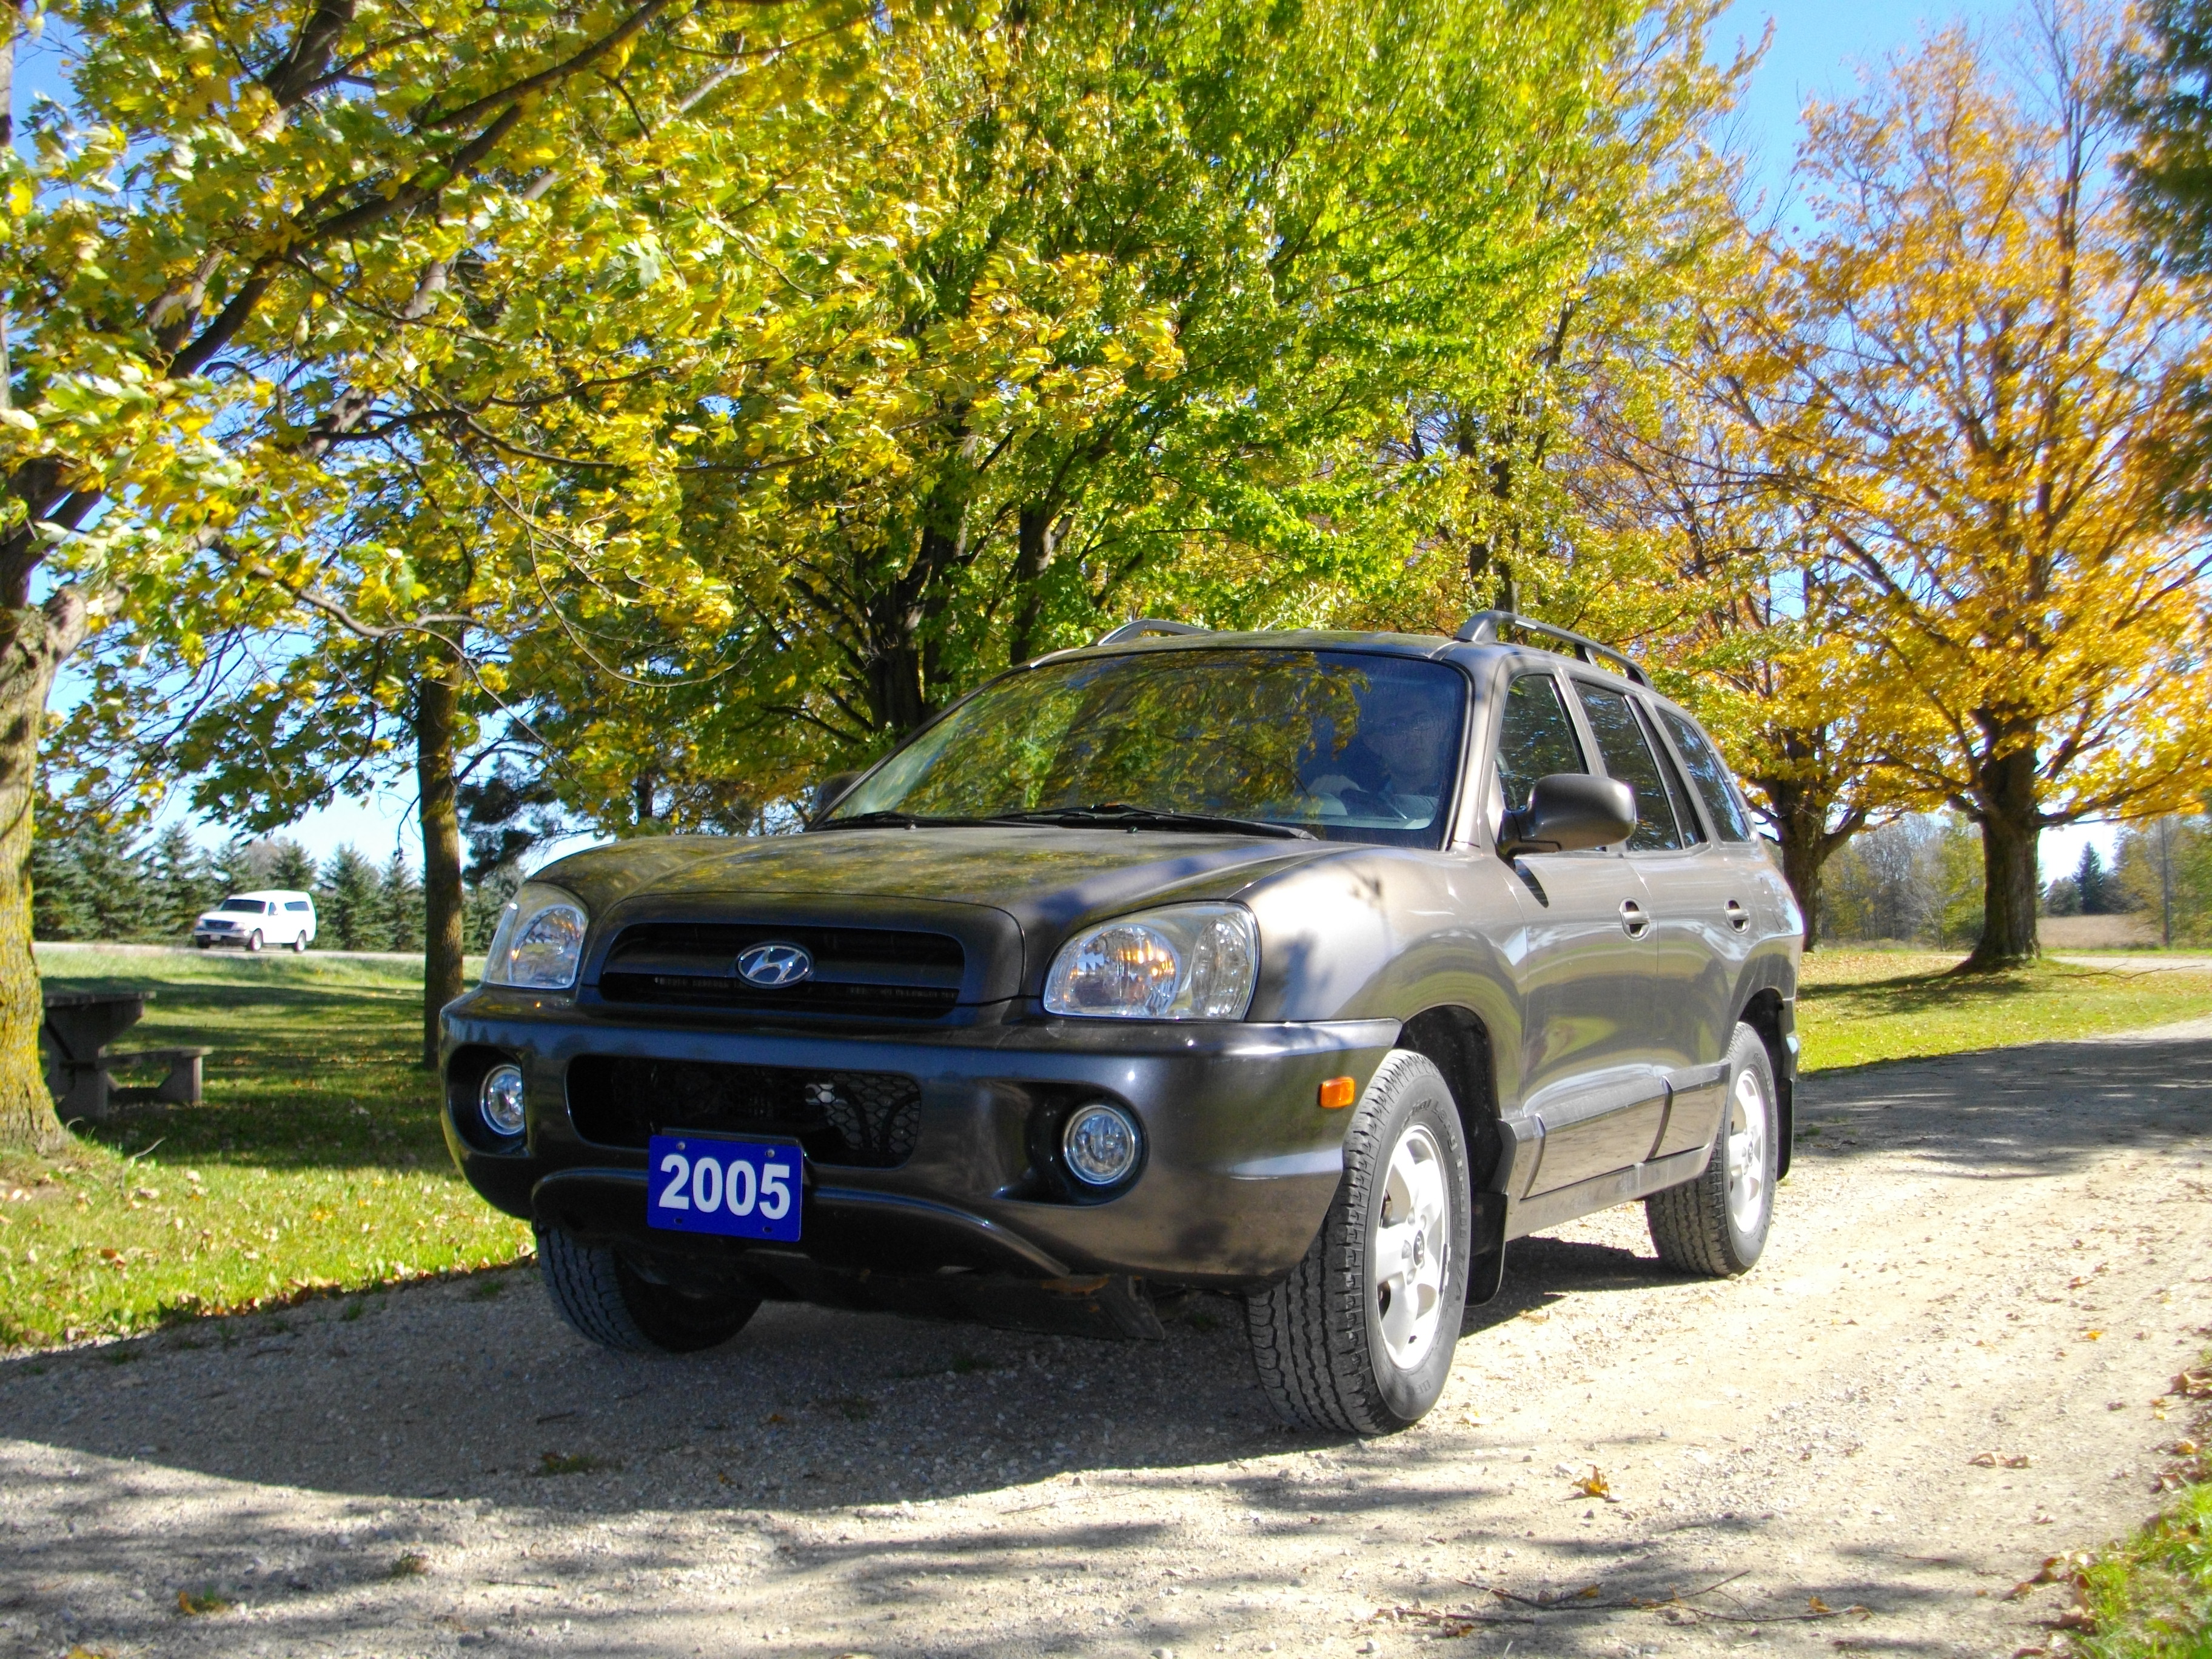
x=299, y=945
x=1359, y=1337
x=1717, y=1223
x=604, y=1297
x=253, y=940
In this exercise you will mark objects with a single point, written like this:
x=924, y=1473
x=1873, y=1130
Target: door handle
x=1738, y=917
x=1633, y=919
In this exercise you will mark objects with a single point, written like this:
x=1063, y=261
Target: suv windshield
x=1343, y=745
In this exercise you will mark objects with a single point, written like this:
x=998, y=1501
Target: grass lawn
x=1858, y=1006
x=2151, y=1597
x=316, y=1166
x=315, y=1163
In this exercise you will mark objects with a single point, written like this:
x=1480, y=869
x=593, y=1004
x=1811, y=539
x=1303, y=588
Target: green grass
x=2151, y=1597
x=315, y=1164
x=1854, y=1007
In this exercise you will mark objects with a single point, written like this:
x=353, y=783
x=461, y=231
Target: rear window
x=297, y=904
x=1709, y=777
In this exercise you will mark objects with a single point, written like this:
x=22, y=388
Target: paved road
x=2004, y=1254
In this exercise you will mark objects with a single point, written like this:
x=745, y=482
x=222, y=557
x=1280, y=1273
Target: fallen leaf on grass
x=194, y=1604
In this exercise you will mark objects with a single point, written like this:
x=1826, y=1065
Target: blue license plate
x=741, y=1188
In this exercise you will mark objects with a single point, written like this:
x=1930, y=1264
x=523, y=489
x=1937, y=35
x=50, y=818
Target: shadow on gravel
x=475, y=1390
x=2041, y=1109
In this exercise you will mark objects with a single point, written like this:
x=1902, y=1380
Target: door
x=1584, y=966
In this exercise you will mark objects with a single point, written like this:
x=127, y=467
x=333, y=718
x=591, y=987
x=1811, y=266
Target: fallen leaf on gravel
x=194, y=1603
x=1535, y=1316
x=1991, y=1460
x=2075, y=1618
x=2184, y=1449
x=2093, y=1336
x=2116, y=1405
x=1592, y=1484
x=1815, y=1604
x=2026, y=1586
x=2193, y=1385
x=412, y=1565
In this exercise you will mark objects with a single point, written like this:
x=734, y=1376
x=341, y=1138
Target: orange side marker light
x=1337, y=1092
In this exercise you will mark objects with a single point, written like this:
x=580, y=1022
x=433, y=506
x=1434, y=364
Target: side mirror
x=1567, y=812
x=831, y=790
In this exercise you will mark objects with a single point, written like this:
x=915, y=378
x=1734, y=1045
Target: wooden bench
x=78, y=1027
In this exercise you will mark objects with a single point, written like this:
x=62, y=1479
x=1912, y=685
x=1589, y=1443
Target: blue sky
x=1817, y=51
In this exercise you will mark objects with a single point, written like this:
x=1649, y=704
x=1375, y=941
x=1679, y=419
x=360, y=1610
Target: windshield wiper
x=1120, y=816
x=894, y=820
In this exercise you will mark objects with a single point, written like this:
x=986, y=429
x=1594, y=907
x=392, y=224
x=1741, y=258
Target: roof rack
x=1144, y=625
x=1484, y=627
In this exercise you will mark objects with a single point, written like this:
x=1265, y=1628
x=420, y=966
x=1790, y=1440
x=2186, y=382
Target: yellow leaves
x=1594, y=1484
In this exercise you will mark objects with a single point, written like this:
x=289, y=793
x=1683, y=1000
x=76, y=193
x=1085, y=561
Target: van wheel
x=605, y=1299
x=1358, y=1339
x=299, y=945
x=1717, y=1225
x=253, y=940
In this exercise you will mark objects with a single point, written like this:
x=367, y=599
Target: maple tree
x=1985, y=401
x=250, y=239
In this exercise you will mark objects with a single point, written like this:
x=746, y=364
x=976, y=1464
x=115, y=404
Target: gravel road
x=2005, y=1254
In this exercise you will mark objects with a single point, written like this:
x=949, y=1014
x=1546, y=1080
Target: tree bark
x=35, y=641
x=2011, y=827
x=437, y=714
x=1033, y=552
x=1805, y=850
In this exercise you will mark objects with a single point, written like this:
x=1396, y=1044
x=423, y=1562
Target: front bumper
x=1242, y=1162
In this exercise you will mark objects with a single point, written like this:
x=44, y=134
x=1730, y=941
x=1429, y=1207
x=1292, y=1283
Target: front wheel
x=253, y=940
x=1718, y=1224
x=607, y=1302
x=1359, y=1338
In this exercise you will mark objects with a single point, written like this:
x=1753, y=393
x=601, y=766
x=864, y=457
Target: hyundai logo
x=774, y=965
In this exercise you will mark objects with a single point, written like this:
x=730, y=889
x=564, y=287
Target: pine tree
x=399, y=906
x=2100, y=893
x=347, y=902
x=290, y=867
x=180, y=884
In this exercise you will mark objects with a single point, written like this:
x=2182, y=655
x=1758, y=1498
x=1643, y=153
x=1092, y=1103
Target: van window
x=297, y=904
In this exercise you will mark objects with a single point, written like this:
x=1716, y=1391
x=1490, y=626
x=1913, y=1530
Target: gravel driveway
x=2005, y=1254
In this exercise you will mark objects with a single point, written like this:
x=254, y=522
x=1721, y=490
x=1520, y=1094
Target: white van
x=267, y=916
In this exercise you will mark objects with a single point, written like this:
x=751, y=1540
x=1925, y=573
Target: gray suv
x=1312, y=967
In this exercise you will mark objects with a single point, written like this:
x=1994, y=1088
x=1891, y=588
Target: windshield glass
x=1348, y=746
x=244, y=907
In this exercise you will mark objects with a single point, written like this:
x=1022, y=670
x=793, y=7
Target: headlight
x=539, y=941
x=499, y=1098
x=1185, y=962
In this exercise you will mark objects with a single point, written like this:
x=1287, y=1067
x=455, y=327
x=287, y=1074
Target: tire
x=1718, y=1224
x=1329, y=1354
x=253, y=940
x=299, y=945
x=201, y=944
x=605, y=1299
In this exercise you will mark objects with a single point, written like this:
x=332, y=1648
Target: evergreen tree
x=347, y=902
x=399, y=906
x=180, y=884
x=242, y=865
x=290, y=867
x=60, y=906
x=2101, y=894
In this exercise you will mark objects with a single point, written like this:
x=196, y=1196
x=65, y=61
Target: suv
x=1310, y=966
x=274, y=915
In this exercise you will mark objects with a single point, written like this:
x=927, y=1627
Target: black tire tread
x=1689, y=1224
x=1306, y=1331
x=585, y=1285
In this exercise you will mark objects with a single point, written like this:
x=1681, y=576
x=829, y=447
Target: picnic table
x=79, y=1025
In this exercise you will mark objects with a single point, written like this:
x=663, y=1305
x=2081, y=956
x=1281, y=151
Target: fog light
x=500, y=1100
x=1100, y=1145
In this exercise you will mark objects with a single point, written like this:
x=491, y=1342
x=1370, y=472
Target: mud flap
x=1485, y=1267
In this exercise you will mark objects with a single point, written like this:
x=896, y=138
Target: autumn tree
x=1982, y=396
x=272, y=266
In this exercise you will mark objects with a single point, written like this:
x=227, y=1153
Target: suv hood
x=1048, y=880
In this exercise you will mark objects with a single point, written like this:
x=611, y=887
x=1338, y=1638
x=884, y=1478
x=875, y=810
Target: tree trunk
x=35, y=641
x=437, y=713
x=2010, y=878
x=1805, y=849
x=1032, y=558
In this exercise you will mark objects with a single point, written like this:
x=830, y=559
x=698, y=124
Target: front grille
x=877, y=972
x=866, y=1118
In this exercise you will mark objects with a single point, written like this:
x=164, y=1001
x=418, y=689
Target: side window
x=1678, y=793
x=1629, y=757
x=297, y=904
x=1535, y=738
x=1710, y=777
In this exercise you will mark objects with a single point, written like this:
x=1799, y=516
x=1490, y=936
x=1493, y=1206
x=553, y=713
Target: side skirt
x=1533, y=1215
